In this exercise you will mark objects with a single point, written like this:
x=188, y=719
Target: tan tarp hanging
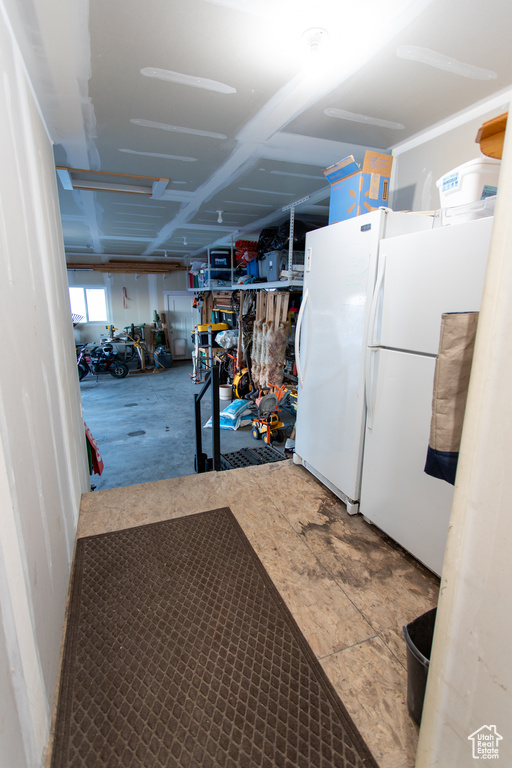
x=451, y=381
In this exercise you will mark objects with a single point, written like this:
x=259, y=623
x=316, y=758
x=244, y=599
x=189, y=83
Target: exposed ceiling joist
x=194, y=119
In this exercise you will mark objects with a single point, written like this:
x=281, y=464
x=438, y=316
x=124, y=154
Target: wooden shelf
x=491, y=136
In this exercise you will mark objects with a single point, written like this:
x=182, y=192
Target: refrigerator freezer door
x=427, y=274
x=397, y=496
x=340, y=273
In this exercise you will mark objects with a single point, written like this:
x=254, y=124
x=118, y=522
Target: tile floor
x=348, y=586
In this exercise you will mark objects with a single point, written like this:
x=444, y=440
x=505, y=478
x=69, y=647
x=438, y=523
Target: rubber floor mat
x=179, y=652
x=250, y=457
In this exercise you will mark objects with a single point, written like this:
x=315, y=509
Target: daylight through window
x=88, y=305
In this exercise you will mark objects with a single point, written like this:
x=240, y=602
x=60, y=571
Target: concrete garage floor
x=144, y=425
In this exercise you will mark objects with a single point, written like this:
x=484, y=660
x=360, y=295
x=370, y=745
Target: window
x=88, y=305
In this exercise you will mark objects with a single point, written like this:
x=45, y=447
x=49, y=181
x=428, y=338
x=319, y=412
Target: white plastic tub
x=470, y=182
x=225, y=392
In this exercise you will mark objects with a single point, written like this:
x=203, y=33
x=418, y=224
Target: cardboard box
x=355, y=191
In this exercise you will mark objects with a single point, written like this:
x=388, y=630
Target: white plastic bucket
x=225, y=392
x=470, y=182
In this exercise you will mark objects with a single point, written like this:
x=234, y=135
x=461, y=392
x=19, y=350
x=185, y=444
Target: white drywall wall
x=136, y=304
x=43, y=467
x=421, y=162
x=470, y=677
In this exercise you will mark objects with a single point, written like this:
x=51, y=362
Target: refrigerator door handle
x=375, y=300
x=370, y=351
x=371, y=348
x=297, y=336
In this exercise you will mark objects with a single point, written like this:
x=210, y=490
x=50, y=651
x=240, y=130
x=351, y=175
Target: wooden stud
x=163, y=318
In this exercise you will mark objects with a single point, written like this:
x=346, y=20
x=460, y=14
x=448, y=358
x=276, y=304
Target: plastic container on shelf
x=252, y=268
x=220, y=258
x=457, y=214
x=418, y=638
x=470, y=182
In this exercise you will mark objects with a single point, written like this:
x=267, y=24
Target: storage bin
x=220, y=259
x=418, y=638
x=163, y=356
x=458, y=214
x=227, y=316
x=271, y=264
x=472, y=181
x=252, y=268
x=203, y=332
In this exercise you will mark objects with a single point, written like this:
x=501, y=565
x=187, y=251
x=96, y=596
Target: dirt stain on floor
x=378, y=557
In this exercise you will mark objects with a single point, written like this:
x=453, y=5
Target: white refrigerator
x=420, y=277
x=339, y=278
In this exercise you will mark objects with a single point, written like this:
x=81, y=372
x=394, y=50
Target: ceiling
x=227, y=107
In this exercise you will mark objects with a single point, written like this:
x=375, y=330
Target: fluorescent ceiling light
x=105, y=186
x=69, y=183
x=446, y=63
x=177, y=129
x=158, y=154
x=342, y=114
x=194, y=82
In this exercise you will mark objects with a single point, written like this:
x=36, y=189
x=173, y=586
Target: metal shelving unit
x=295, y=282
x=209, y=281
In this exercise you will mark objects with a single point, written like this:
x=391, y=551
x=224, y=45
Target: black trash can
x=163, y=356
x=418, y=637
